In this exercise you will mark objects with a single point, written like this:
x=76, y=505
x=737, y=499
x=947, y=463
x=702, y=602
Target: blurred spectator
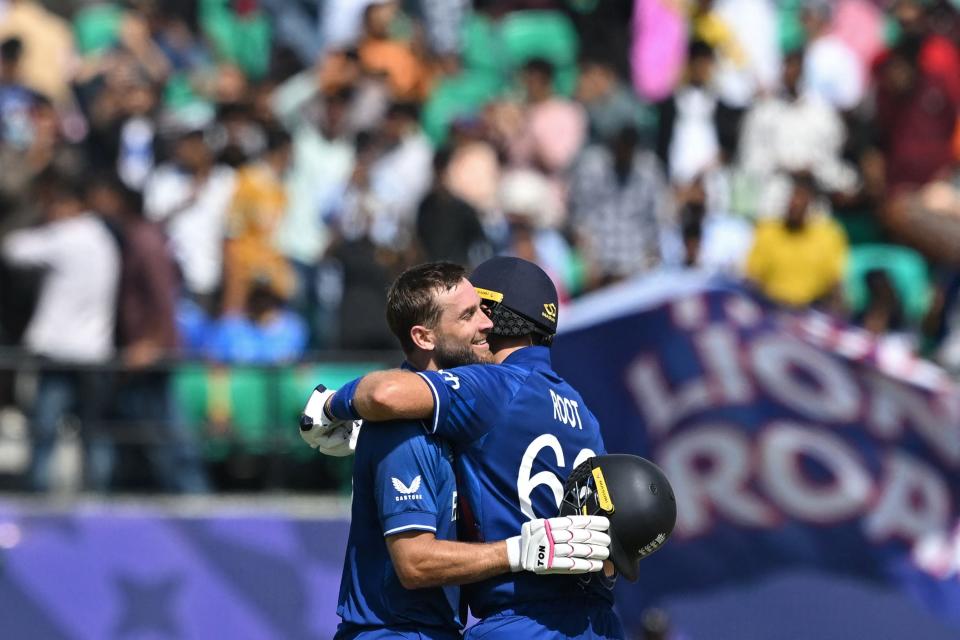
x=550, y=129
x=611, y=104
x=48, y=54
x=123, y=106
x=380, y=52
x=15, y=98
x=619, y=206
x=831, y=70
x=915, y=122
x=531, y=212
x=399, y=177
x=73, y=322
x=447, y=227
x=695, y=125
x=792, y=131
x=744, y=35
x=45, y=150
x=443, y=21
x=800, y=259
x=473, y=172
x=190, y=197
x=264, y=332
x=323, y=159
x=295, y=22
x=938, y=56
x=147, y=337
x=238, y=136
x=177, y=37
x=713, y=239
x=365, y=273
x=341, y=22
x=258, y=206
x=369, y=92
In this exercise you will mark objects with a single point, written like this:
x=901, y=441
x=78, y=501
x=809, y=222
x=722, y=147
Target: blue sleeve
x=600, y=449
x=468, y=401
x=406, y=480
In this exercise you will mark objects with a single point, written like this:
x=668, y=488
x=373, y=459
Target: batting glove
x=567, y=544
x=328, y=435
x=338, y=439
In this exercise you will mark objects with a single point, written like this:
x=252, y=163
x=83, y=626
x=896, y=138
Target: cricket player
x=402, y=560
x=516, y=430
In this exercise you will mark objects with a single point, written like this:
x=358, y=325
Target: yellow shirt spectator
x=801, y=265
x=250, y=256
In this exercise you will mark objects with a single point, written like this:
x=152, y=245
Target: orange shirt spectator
x=406, y=73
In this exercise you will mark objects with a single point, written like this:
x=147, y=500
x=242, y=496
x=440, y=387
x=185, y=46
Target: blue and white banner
x=816, y=469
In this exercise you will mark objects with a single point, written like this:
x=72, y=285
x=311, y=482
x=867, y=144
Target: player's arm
x=422, y=561
x=456, y=402
x=390, y=395
x=563, y=545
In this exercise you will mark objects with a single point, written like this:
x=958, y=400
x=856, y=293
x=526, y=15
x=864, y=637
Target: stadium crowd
x=238, y=181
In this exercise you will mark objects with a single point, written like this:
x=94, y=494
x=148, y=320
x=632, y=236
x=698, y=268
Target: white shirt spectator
x=832, y=71
x=319, y=169
x=342, y=21
x=74, y=318
x=695, y=146
x=399, y=180
x=794, y=135
x=195, y=221
x=754, y=26
x=725, y=243
x=783, y=135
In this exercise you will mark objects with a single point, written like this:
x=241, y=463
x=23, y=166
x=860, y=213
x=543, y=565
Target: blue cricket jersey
x=518, y=431
x=403, y=480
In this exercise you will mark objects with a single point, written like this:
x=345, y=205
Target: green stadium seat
x=861, y=227
x=244, y=41
x=260, y=405
x=97, y=27
x=542, y=34
x=459, y=96
x=480, y=49
x=792, y=35
x=539, y=34
x=907, y=269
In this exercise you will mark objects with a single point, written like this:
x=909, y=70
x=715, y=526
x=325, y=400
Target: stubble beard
x=449, y=354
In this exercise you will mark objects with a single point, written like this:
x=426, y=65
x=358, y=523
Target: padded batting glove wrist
x=567, y=544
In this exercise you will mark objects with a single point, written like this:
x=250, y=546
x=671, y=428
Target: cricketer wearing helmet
x=517, y=430
x=402, y=560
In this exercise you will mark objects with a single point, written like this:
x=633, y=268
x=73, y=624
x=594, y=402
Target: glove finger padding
x=571, y=566
x=338, y=440
x=574, y=544
x=581, y=535
x=592, y=523
x=588, y=551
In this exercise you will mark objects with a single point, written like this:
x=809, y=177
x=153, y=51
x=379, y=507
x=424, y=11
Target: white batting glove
x=567, y=544
x=338, y=440
x=328, y=435
x=314, y=415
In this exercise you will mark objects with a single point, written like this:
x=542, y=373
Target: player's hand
x=339, y=439
x=328, y=435
x=567, y=544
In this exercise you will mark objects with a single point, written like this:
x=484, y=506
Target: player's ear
x=423, y=338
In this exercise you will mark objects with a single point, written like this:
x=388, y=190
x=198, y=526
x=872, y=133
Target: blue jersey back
x=403, y=480
x=518, y=431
